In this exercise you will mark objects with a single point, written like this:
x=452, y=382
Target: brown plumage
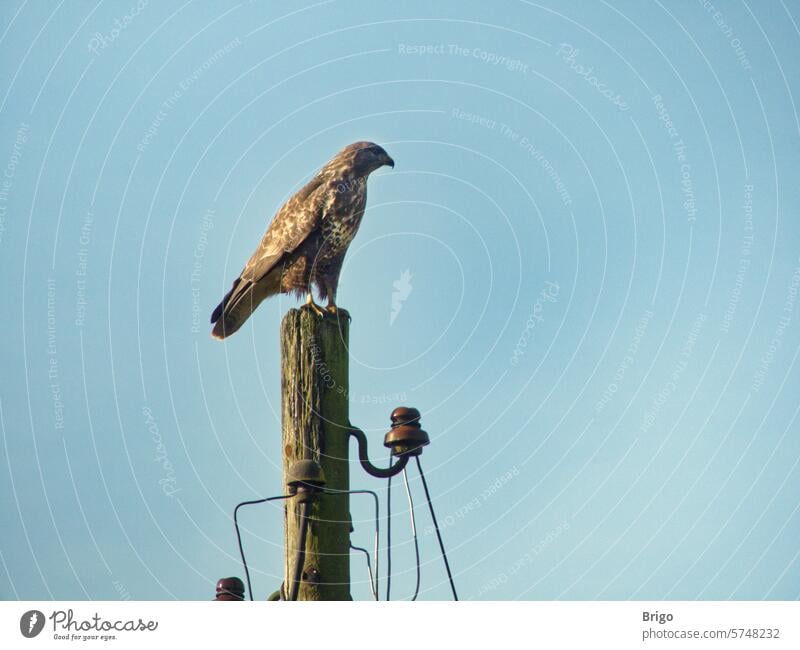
x=307, y=240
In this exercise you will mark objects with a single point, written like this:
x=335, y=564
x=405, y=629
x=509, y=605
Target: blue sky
x=594, y=208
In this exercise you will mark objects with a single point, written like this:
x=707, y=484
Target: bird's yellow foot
x=313, y=306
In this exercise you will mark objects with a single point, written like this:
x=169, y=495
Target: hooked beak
x=389, y=162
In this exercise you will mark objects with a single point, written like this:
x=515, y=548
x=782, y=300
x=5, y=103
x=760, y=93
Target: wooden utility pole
x=315, y=423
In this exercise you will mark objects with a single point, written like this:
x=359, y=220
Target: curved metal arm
x=369, y=468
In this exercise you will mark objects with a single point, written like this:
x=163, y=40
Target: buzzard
x=307, y=240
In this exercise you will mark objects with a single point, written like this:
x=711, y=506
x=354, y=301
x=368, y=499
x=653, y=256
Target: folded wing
x=298, y=218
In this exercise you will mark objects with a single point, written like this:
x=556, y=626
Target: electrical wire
x=389, y=533
x=239, y=536
x=436, y=525
x=369, y=569
x=374, y=579
x=413, y=531
x=373, y=587
x=300, y=557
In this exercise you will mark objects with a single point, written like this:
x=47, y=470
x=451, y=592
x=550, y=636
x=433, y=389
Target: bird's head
x=365, y=157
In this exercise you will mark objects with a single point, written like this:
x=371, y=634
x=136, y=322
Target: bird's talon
x=313, y=306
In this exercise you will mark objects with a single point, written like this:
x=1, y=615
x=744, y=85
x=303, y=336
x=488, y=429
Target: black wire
x=373, y=587
x=436, y=525
x=303, y=532
x=389, y=533
x=300, y=557
x=413, y=531
x=369, y=569
x=239, y=536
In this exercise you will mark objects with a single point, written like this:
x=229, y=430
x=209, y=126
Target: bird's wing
x=293, y=223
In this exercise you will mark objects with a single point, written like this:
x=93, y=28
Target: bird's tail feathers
x=233, y=317
x=239, y=304
x=221, y=306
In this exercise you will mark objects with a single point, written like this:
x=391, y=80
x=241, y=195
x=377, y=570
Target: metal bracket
x=369, y=468
x=406, y=439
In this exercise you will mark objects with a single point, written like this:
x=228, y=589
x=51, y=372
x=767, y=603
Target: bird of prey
x=306, y=242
